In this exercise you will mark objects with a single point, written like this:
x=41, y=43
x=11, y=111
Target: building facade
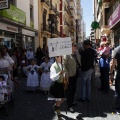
x=107, y=13
x=19, y=24
x=78, y=21
x=49, y=20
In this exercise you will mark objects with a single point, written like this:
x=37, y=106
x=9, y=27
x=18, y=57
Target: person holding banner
x=72, y=64
x=56, y=92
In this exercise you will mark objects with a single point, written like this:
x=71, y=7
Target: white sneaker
x=71, y=110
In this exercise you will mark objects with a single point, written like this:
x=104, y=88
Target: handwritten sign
x=59, y=46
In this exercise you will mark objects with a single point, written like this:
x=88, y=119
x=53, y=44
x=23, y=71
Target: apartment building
x=107, y=13
x=64, y=18
x=49, y=20
x=19, y=24
x=78, y=21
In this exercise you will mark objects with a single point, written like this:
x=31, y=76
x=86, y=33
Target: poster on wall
x=59, y=46
x=4, y=4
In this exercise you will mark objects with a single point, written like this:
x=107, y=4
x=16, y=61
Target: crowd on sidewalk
x=61, y=75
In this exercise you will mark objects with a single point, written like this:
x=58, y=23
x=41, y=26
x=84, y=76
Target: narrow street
x=31, y=106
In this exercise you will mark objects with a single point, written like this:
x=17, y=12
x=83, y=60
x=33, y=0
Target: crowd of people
x=61, y=75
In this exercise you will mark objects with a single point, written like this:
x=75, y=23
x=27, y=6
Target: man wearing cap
x=87, y=66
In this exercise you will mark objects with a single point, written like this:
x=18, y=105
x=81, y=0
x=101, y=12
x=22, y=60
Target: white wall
x=35, y=14
x=24, y=5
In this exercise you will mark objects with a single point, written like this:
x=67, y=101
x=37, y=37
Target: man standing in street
x=87, y=66
x=72, y=64
x=116, y=62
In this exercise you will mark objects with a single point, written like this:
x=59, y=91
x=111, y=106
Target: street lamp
x=51, y=25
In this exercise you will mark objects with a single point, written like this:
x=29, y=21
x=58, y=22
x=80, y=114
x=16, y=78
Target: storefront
x=28, y=39
x=9, y=32
x=114, y=23
x=8, y=35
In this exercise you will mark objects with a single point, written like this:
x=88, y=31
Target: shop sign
x=14, y=14
x=115, y=17
x=4, y=4
x=7, y=27
x=27, y=32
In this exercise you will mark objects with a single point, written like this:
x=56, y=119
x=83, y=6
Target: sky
x=87, y=6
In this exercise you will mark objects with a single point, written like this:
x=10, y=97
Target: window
x=31, y=12
x=56, y=6
x=13, y=2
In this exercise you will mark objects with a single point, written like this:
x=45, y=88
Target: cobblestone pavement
x=31, y=106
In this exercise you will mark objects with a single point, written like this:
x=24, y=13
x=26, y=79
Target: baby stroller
x=6, y=92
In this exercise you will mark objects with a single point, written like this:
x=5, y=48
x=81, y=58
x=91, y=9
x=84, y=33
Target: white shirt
x=53, y=75
x=9, y=59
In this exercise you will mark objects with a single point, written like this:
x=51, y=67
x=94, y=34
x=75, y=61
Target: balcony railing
x=53, y=8
x=66, y=9
x=32, y=23
x=106, y=0
x=46, y=1
x=57, y=13
x=66, y=23
x=55, y=31
x=45, y=27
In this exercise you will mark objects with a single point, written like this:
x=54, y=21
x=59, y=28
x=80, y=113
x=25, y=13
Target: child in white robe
x=45, y=82
x=33, y=78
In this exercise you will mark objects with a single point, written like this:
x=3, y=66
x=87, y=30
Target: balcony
x=47, y=2
x=106, y=1
x=105, y=29
x=71, y=7
x=73, y=27
x=56, y=33
x=53, y=8
x=66, y=9
x=32, y=23
x=57, y=13
x=44, y=28
x=66, y=23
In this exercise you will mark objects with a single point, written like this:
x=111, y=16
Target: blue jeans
x=86, y=84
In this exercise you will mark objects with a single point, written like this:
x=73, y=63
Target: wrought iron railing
x=46, y=1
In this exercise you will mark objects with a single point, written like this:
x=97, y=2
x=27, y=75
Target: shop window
x=31, y=12
x=13, y=2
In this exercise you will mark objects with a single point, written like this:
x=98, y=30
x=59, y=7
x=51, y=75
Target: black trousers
x=70, y=92
x=104, y=78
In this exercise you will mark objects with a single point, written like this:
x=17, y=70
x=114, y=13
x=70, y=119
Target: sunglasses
x=75, y=45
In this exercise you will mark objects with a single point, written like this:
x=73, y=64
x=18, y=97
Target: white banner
x=59, y=46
